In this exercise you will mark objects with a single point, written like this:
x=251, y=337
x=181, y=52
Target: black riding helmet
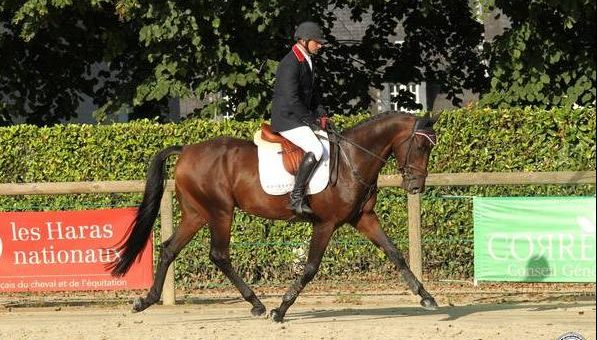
x=309, y=30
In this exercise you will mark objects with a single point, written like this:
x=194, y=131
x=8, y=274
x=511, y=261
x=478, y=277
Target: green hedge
x=470, y=140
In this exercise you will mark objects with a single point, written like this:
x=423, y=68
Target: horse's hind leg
x=220, y=255
x=368, y=224
x=190, y=224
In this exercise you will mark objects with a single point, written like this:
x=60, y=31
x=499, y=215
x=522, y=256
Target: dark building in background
x=427, y=94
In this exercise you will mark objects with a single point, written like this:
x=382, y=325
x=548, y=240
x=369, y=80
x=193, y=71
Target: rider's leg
x=298, y=201
x=304, y=138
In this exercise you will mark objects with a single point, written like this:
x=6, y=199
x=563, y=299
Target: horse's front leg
x=319, y=240
x=369, y=225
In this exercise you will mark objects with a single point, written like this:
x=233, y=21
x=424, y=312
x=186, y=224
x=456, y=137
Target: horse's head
x=412, y=153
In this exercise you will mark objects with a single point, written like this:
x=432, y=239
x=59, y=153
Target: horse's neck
x=377, y=137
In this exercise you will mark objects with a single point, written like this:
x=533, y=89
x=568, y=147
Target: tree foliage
x=55, y=52
x=547, y=57
x=440, y=45
x=140, y=53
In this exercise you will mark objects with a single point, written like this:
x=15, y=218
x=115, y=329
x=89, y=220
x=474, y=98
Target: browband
x=430, y=135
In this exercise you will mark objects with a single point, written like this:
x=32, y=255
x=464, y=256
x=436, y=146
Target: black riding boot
x=298, y=201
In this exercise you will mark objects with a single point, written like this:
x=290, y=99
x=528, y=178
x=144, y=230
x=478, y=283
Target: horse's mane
x=380, y=116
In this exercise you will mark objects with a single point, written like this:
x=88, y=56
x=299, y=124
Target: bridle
x=408, y=171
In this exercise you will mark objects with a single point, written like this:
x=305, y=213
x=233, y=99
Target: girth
x=292, y=155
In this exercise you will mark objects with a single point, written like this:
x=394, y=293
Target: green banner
x=534, y=239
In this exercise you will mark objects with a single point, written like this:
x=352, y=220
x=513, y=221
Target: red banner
x=67, y=250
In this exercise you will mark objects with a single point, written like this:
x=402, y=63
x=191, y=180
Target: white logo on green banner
x=534, y=239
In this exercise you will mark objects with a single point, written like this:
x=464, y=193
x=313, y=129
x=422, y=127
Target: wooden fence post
x=415, y=252
x=166, y=216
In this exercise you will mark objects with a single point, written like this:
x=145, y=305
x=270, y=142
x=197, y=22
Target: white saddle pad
x=274, y=178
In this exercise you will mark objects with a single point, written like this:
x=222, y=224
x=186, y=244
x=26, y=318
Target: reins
x=365, y=150
x=404, y=169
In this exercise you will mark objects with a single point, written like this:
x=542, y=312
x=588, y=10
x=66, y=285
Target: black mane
x=383, y=115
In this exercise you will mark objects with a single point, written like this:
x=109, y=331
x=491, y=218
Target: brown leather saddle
x=292, y=155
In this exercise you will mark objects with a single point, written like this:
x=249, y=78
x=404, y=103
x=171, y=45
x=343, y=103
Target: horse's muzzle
x=415, y=189
x=414, y=184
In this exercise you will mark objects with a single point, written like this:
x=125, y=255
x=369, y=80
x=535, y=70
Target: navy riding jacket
x=296, y=97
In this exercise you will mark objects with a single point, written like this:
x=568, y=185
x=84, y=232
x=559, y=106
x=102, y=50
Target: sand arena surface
x=464, y=313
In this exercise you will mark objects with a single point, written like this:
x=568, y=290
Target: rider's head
x=310, y=36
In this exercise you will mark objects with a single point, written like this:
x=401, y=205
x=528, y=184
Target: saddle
x=292, y=155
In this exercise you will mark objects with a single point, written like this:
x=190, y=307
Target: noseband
x=408, y=171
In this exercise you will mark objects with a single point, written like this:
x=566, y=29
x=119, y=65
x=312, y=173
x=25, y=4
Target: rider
x=296, y=107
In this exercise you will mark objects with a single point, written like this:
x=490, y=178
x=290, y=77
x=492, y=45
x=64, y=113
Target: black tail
x=146, y=215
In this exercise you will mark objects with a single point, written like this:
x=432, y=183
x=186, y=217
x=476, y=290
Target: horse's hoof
x=429, y=304
x=258, y=310
x=139, y=305
x=276, y=316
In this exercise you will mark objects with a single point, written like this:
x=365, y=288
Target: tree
x=52, y=54
x=440, y=45
x=150, y=51
x=547, y=57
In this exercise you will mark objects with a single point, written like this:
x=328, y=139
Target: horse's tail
x=138, y=236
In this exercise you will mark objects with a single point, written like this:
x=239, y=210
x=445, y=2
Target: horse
x=215, y=176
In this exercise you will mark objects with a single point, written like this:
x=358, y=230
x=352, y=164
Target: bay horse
x=215, y=176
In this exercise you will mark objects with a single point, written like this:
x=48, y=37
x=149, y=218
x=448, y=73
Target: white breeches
x=305, y=138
